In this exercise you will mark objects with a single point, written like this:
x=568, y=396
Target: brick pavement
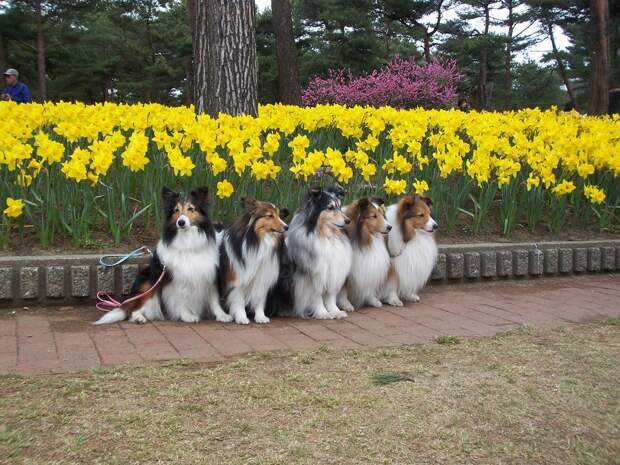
x=62, y=340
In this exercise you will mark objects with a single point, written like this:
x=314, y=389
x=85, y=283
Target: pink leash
x=106, y=303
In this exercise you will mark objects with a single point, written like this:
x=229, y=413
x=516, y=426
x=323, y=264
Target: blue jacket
x=19, y=92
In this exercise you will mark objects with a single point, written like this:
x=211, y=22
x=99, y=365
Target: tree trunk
x=508, y=59
x=289, y=89
x=42, y=86
x=189, y=65
x=483, y=92
x=599, y=79
x=3, y=62
x=225, y=57
x=427, y=46
x=560, y=63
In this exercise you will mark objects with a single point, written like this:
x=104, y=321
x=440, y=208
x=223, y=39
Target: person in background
x=463, y=105
x=15, y=91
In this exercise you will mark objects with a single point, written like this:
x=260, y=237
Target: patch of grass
x=612, y=322
x=549, y=397
x=447, y=340
x=521, y=330
x=381, y=379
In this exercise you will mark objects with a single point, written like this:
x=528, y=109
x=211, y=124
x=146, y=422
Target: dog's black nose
x=389, y=227
x=435, y=227
x=286, y=227
x=347, y=221
x=181, y=223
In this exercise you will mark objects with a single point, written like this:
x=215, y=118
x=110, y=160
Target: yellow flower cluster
x=560, y=152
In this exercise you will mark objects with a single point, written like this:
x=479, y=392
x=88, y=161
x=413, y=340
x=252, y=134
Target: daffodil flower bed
x=67, y=167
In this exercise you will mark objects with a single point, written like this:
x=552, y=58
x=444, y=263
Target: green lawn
x=525, y=397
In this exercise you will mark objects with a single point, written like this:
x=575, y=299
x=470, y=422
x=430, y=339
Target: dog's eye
x=420, y=215
x=176, y=210
x=190, y=209
x=331, y=207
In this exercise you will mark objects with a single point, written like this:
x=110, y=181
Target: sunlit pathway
x=62, y=340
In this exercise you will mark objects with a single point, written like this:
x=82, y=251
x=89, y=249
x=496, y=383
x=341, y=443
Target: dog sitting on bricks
x=250, y=254
x=371, y=265
x=412, y=248
x=188, y=250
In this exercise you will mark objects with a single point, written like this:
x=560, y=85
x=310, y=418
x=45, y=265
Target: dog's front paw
x=242, y=320
x=261, y=319
x=190, y=318
x=138, y=318
x=374, y=302
x=339, y=315
x=413, y=298
x=323, y=315
x=346, y=307
x=224, y=318
x=395, y=302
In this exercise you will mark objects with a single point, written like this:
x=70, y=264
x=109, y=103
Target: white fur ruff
x=369, y=272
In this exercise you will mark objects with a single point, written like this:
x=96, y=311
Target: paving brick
x=617, y=257
x=225, y=342
x=580, y=259
x=357, y=334
x=488, y=264
x=536, y=262
x=520, y=262
x=608, y=258
x=80, y=281
x=150, y=343
x=55, y=281
x=594, y=259
x=472, y=264
x=6, y=283
x=294, y=339
x=29, y=282
x=565, y=264
x=187, y=342
x=456, y=262
x=551, y=261
x=439, y=270
x=504, y=263
x=114, y=347
x=76, y=351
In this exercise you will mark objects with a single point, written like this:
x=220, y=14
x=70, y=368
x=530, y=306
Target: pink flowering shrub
x=402, y=83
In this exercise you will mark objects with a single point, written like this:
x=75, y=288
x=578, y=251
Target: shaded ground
x=527, y=396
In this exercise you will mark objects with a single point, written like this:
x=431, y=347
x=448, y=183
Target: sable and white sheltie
x=318, y=254
x=412, y=248
x=189, y=251
x=370, y=258
x=250, y=259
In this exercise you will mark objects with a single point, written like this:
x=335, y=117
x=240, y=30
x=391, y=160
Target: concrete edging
x=75, y=279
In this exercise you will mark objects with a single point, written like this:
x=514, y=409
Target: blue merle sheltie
x=189, y=252
x=250, y=254
x=318, y=254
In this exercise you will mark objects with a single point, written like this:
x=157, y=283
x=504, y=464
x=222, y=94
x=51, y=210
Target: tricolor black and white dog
x=318, y=254
x=250, y=255
x=189, y=251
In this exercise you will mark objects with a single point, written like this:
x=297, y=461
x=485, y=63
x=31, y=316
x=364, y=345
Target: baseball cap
x=11, y=72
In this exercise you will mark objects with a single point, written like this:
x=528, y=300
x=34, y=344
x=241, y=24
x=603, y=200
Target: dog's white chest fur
x=333, y=262
x=369, y=270
x=191, y=259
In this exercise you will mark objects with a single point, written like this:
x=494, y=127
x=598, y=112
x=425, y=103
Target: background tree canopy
x=130, y=51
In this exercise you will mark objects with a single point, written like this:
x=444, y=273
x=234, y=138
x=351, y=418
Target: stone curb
x=75, y=279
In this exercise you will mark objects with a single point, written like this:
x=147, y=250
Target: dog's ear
x=248, y=204
x=338, y=191
x=408, y=202
x=168, y=196
x=427, y=201
x=315, y=192
x=362, y=205
x=378, y=201
x=200, y=196
x=284, y=213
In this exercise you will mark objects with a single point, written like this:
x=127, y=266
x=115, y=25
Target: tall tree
x=225, y=57
x=41, y=84
x=289, y=89
x=599, y=80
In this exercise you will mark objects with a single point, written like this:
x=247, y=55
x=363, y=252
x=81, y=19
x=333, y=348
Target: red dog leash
x=106, y=303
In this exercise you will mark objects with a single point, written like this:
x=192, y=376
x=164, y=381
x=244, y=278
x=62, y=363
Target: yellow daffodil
x=224, y=189
x=14, y=207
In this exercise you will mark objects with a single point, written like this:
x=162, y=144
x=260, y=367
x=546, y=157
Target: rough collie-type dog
x=189, y=251
x=250, y=259
x=318, y=254
x=370, y=266
x=412, y=248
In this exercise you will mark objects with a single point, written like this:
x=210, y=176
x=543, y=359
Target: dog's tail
x=113, y=316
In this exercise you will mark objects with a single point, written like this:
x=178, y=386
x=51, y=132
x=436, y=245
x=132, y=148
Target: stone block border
x=74, y=279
